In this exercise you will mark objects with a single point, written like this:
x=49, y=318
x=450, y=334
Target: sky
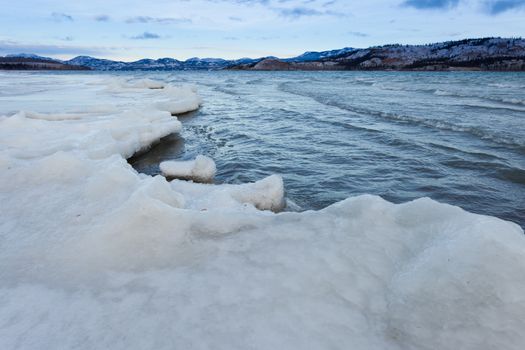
x=133, y=29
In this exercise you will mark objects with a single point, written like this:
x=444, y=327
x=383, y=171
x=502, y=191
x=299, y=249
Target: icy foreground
x=94, y=255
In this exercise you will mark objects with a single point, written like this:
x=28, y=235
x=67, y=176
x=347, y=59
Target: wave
x=364, y=81
x=501, y=171
x=492, y=107
x=448, y=126
x=512, y=101
x=254, y=81
x=507, y=100
x=445, y=93
x=514, y=175
x=441, y=92
x=425, y=122
x=229, y=91
x=407, y=88
x=503, y=85
x=453, y=148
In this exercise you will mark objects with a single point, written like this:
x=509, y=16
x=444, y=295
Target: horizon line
x=254, y=58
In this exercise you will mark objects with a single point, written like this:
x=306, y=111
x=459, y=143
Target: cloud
x=431, y=4
x=255, y=2
x=298, y=12
x=262, y=37
x=146, y=36
x=61, y=17
x=102, y=18
x=493, y=7
x=496, y=7
x=158, y=20
x=10, y=47
x=358, y=34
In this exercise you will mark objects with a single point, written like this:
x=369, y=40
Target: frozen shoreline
x=95, y=254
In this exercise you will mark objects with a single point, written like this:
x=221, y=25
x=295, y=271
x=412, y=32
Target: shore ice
x=95, y=255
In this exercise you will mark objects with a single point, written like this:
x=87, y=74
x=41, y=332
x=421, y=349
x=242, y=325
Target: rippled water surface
x=455, y=137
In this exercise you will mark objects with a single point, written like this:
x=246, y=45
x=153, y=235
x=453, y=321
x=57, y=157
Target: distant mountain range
x=162, y=64
x=469, y=54
x=194, y=63
x=501, y=54
x=159, y=64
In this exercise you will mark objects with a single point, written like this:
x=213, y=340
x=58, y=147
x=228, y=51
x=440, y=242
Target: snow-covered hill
x=480, y=54
x=316, y=56
x=32, y=56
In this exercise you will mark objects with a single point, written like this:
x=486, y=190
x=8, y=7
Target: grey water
x=456, y=137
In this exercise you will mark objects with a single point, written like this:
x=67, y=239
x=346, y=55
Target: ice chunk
x=202, y=169
x=266, y=194
x=180, y=100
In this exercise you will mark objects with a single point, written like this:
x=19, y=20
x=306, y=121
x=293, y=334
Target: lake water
x=455, y=137
x=458, y=138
